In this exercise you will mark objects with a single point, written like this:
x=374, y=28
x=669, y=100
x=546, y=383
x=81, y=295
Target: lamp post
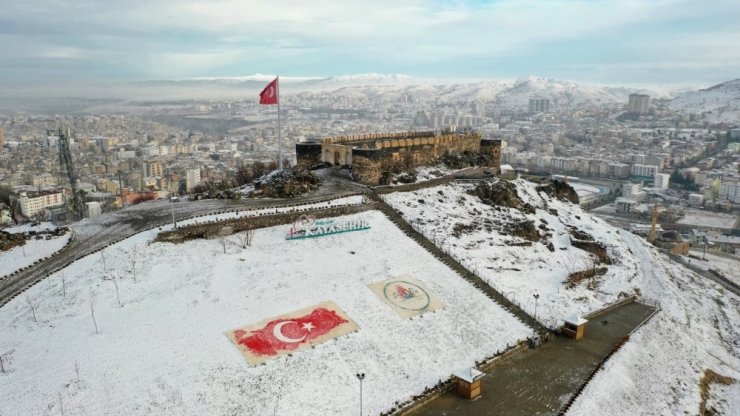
x=172, y=206
x=360, y=376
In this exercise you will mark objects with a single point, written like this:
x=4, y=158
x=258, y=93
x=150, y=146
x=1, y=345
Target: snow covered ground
x=519, y=272
x=658, y=371
x=164, y=351
x=702, y=218
x=33, y=250
x=729, y=267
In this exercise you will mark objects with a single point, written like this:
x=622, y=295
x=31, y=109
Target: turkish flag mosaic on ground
x=291, y=332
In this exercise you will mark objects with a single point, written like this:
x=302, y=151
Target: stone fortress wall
x=372, y=155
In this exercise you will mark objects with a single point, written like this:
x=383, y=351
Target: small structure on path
x=575, y=327
x=468, y=382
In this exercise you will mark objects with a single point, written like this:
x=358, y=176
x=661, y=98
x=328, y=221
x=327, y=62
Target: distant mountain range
x=723, y=100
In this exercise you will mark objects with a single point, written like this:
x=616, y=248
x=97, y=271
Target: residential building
x=661, y=180
x=644, y=171
x=31, y=206
x=539, y=105
x=93, y=209
x=638, y=104
x=192, y=178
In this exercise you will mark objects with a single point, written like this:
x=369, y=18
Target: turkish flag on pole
x=269, y=95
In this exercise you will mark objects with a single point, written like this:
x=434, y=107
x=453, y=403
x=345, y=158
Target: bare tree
x=113, y=279
x=34, y=305
x=102, y=255
x=64, y=285
x=245, y=238
x=93, y=302
x=2, y=364
x=223, y=242
x=133, y=257
x=77, y=372
x=61, y=405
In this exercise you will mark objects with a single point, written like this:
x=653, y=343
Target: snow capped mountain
x=722, y=101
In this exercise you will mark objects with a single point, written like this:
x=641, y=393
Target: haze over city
x=673, y=42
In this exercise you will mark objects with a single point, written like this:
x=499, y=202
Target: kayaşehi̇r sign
x=274, y=337
x=406, y=296
x=308, y=227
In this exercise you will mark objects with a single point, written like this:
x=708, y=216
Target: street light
x=360, y=376
x=172, y=205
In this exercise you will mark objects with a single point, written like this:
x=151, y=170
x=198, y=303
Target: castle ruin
x=373, y=156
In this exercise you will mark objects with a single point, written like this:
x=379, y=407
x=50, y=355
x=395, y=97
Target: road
x=93, y=235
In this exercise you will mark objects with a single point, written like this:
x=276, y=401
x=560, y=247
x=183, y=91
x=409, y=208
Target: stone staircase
x=453, y=264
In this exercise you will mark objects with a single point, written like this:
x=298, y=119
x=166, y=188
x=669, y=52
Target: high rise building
x=2, y=138
x=192, y=178
x=638, y=104
x=539, y=105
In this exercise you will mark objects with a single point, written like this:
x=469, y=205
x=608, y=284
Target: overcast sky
x=596, y=41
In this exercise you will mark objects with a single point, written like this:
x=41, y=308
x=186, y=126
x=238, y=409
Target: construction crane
x=65, y=164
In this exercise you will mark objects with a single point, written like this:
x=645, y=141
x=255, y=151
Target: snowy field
x=519, y=272
x=33, y=250
x=729, y=267
x=164, y=350
x=701, y=218
x=658, y=371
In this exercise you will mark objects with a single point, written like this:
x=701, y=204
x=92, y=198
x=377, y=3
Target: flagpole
x=280, y=140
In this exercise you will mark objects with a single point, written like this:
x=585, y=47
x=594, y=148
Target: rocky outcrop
x=285, y=183
x=501, y=193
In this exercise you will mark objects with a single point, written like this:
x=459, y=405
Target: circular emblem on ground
x=406, y=295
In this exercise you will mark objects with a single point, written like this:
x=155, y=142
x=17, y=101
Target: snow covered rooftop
x=575, y=320
x=468, y=374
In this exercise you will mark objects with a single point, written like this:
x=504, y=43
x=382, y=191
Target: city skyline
x=672, y=42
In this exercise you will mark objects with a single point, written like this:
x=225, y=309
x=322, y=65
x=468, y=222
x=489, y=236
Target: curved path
x=94, y=235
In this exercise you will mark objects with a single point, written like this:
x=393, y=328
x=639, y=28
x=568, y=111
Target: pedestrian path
x=541, y=381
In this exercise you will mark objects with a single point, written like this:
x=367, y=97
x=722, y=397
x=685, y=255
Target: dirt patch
x=501, y=193
x=577, y=277
x=9, y=240
x=579, y=235
x=524, y=229
x=710, y=377
x=559, y=190
x=460, y=229
x=595, y=248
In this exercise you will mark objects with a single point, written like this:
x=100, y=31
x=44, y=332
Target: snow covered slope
x=722, y=101
x=164, y=351
x=510, y=264
x=659, y=371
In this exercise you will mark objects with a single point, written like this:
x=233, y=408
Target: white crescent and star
x=277, y=331
x=271, y=92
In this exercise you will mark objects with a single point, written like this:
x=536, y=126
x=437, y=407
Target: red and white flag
x=269, y=95
x=290, y=332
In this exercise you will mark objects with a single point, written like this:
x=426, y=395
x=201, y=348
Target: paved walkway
x=541, y=381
